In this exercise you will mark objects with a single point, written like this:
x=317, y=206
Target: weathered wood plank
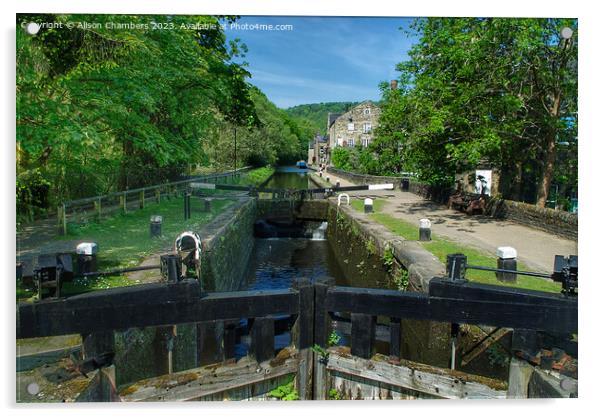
x=483, y=345
x=430, y=380
x=147, y=305
x=196, y=383
x=466, y=290
x=560, y=318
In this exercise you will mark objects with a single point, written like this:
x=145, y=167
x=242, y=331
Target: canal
x=290, y=178
x=276, y=262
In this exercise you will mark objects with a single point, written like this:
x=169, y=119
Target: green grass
x=441, y=247
x=257, y=176
x=123, y=240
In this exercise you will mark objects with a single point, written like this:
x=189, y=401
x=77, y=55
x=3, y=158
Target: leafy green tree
x=500, y=90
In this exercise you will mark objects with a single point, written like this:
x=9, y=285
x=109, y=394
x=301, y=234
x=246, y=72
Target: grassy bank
x=257, y=176
x=441, y=247
x=124, y=240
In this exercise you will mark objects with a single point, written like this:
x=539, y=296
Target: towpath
x=536, y=248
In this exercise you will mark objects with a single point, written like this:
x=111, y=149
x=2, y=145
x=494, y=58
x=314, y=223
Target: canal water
x=290, y=178
x=277, y=262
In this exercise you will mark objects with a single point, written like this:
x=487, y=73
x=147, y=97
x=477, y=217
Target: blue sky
x=323, y=58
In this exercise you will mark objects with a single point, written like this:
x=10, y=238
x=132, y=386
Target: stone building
x=318, y=150
x=354, y=127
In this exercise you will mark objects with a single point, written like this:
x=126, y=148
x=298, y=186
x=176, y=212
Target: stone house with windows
x=354, y=127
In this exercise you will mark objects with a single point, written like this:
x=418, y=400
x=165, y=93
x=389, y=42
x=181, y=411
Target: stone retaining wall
x=558, y=222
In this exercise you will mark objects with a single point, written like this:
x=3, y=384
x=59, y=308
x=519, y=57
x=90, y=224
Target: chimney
x=393, y=84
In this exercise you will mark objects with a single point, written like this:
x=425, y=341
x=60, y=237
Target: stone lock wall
x=142, y=353
x=227, y=244
x=423, y=341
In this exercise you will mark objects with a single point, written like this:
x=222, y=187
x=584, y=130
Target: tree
x=501, y=90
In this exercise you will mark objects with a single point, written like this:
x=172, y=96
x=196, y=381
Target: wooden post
x=62, y=218
x=518, y=379
x=158, y=195
x=141, y=198
x=395, y=335
x=210, y=346
x=321, y=328
x=123, y=203
x=229, y=339
x=98, y=209
x=262, y=339
x=362, y=335
x=302, y=336
x=94, y=344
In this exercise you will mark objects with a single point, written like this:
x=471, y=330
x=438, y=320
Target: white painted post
x=425, y=230
x=368, y=205
x=506, y=259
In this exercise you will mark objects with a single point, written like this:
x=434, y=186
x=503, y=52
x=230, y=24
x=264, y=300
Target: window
x=367, y=112
x=351, y=142
x=365, y=142
x=367, y=127
x=350, y=127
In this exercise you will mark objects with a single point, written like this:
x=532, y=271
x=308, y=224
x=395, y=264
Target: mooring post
x=506, y=259
x=424, y=233
x=368, y=205
x=302, y=336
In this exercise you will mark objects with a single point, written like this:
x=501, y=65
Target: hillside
x=317, y=113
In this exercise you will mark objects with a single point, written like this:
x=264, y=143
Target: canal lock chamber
x=262, y=244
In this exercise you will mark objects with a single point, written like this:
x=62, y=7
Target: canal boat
x=302, y=164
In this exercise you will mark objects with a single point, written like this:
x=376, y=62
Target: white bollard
x=368, y=205
x=425, y=230
x=506, y=259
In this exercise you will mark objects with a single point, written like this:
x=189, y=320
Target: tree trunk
x=547, y=173
x=515, y=188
